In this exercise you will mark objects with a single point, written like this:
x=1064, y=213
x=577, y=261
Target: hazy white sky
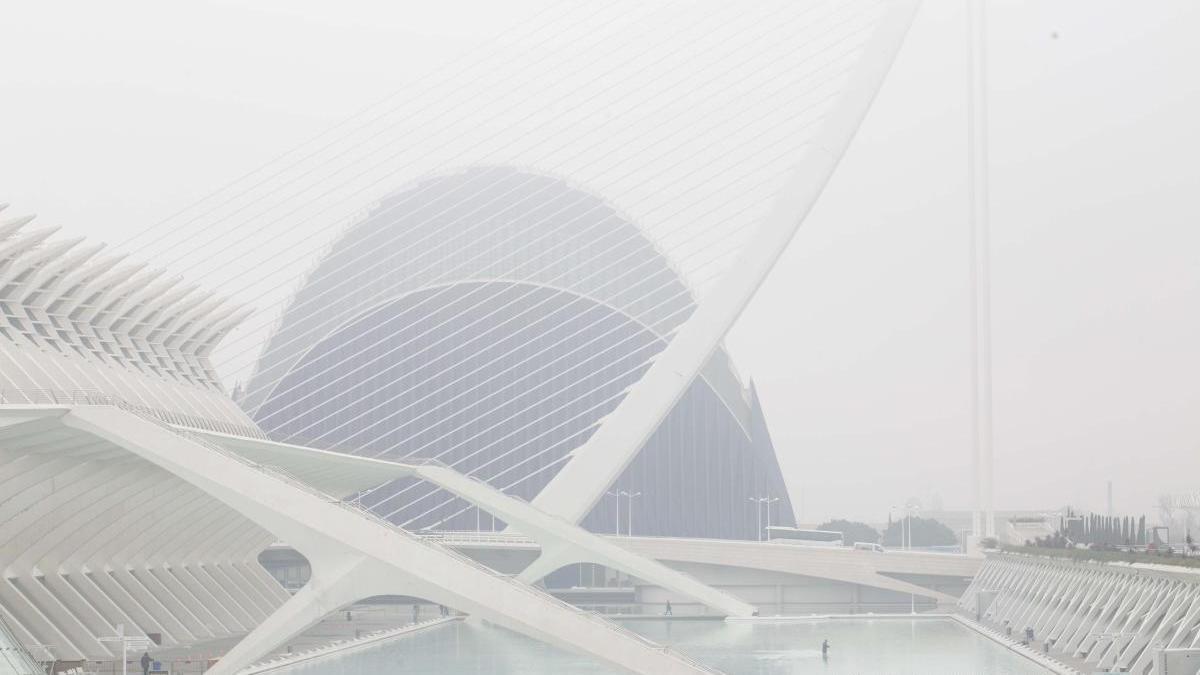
x=115, y=115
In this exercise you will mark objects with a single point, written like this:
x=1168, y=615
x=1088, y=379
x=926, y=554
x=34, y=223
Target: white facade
x=74, y=319
x=89, y=538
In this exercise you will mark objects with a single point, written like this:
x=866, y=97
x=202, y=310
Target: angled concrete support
x=356, y=556
x=595, y=465
x=333, y=585
x=562, y=542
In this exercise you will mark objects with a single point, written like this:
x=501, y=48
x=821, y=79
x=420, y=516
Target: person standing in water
x=824, y=649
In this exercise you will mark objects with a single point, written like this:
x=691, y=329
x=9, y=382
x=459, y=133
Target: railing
x=14, y=658
x=96, y=397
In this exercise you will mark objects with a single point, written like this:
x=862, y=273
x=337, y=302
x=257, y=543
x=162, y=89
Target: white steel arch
x=595, y=465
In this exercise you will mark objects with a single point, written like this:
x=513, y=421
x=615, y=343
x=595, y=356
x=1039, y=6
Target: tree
x=925, y=532
x=852, y=531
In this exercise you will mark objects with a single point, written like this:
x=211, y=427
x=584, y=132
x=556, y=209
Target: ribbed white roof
x=73, y=318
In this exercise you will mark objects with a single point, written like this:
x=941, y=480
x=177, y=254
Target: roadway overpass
x=761, y=572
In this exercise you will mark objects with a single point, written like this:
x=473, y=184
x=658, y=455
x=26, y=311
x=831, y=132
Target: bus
x=796, y=536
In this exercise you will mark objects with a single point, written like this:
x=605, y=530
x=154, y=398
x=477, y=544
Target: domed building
x=490, y=319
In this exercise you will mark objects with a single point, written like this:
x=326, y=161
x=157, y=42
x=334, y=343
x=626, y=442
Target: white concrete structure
x=354, y=556
x=594, y=466
x=887, y=571
x=109, y=514
x=74, y=319
x=1111, y=617
x=134, y=492
x=560, y=542
x=775, y=578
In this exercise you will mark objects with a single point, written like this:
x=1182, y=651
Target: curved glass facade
x=501, y=356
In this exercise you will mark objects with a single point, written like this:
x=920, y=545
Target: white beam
x=334, y=537
x=594, y=466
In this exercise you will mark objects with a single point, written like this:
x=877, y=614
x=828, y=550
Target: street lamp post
x=758, y=504
x=617, y=513
x=906, y=543
x=629, y=513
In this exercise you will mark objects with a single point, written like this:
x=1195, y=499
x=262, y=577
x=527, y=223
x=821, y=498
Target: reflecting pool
x=927, y=646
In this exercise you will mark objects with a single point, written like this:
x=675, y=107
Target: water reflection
x=894, y=645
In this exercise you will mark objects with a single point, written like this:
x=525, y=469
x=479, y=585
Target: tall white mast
x=981, y=326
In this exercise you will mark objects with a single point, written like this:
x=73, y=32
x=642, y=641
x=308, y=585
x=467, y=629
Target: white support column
x=1186, y=627
x=1070, y=594
x=1079, y=624
x=334, y=584
x=1123, y=624
x=981, y=371
x=1147, y=625
x=1167, y=628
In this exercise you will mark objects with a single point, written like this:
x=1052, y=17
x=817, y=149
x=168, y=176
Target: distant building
x=490, y=319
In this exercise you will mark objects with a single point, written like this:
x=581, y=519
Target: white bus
x=792, y=535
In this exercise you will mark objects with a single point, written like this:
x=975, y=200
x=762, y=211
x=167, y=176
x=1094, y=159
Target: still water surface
x=876, y=646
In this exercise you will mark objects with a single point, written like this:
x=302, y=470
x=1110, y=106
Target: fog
x=115, y=116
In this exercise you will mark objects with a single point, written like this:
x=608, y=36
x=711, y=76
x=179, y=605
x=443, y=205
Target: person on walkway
x=668, y=612
x=416, y=612
x=825, y=649
x=146, y=663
